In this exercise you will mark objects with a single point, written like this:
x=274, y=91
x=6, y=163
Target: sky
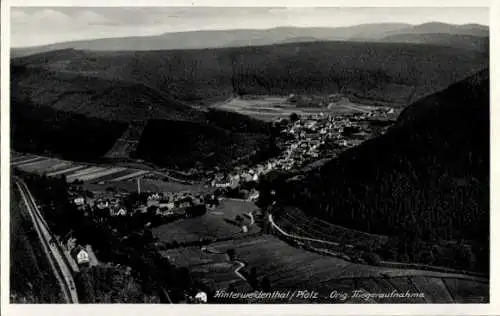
x=33, y=26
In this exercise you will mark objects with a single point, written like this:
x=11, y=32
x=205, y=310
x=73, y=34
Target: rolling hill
x=389, y=72
x=478, y=43
x=80, y=117
x=443, y=28
x=237, y=38
x=425, y=183
x=100, y=97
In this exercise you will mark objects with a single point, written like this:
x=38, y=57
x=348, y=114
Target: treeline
x=425, y=183
x=42, y=130
x=134, y=248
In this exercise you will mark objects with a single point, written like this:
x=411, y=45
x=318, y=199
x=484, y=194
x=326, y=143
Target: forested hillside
x=394, y=73
x=425, y=183
x=42, y=130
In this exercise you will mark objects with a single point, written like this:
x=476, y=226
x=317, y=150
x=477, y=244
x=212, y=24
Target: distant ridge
x=247, y=37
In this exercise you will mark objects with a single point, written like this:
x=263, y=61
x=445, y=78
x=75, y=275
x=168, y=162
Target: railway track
x=54, y=254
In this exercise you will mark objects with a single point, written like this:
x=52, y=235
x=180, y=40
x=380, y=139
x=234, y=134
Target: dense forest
x=185, y=145
x=391, y=72
x=43, y=130
x=424, y=183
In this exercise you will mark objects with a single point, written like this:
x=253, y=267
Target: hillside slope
x=386, y=72
x=185, y=145
x=77, y=92
x=43, y=130
x=425, y=183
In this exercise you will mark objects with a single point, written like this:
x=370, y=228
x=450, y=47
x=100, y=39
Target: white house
x=118, y=212
x=201, y=297
x=154, y=196
x=80, y=255
x=222, y=184
x=102, y=204
x=79, y=201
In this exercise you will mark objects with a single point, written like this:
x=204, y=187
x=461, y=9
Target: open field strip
x=130, y=176
x=466, y=291
x=83, y=172
x=38, y=165
x=20, y=158
x=59, y=165
x=14, y=155
x=433, y=288
x=403, y=284
x=23, y=161
x=355, y=108
x=115, y=175
x=64, y=171
x=101, y=174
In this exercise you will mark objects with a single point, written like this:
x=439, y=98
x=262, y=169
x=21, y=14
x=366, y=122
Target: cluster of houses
x=112, y=203
x=164, y=204
x=307, y=139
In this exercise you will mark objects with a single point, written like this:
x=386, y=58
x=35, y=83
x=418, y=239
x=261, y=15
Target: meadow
x=271, y=108
x=211, y=225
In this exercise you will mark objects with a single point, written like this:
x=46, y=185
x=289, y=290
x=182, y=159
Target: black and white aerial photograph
x=249, y=155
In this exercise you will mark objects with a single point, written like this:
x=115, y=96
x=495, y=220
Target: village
x=308, y=140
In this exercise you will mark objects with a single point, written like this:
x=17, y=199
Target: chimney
x=138, y=185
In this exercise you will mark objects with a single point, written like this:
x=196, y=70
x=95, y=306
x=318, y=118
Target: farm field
x=213, y=269
x=74, y=170
x=147, y=185
x=272, y=108
x=288, y=267
x=295, y=221
x=210, y=225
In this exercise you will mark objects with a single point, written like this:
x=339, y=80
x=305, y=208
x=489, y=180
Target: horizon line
x=243, y=29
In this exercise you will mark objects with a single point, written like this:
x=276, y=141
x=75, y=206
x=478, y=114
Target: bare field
x=272, y=108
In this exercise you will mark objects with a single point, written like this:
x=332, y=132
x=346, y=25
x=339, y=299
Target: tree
x=294, y=117
x=371, y=258
x=426, y=257
x=464, y=257
x=252, y=278
x=265, y=284
x=231, y=253
x=239, y=219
